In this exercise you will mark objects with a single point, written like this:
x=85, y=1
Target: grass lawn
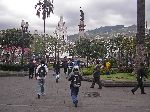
x=120, y=77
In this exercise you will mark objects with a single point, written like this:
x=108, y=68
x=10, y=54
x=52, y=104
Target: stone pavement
x=18, y=94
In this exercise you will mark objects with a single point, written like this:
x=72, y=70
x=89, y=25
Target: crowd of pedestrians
x=71, y=70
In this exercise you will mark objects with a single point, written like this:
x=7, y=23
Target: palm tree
x=46, y=7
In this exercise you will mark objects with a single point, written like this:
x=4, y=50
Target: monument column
x=140, y=50
x=81, y=25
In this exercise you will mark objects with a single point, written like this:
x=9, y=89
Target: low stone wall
x=13, y=73
x=110, y=83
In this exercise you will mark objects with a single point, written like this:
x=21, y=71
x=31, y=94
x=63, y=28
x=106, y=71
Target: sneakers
x=92, y=87
x=132, y=91
x=38, y=96
x=43, y=94
x=76, y=103
x=100, y=88
x=143, y=93
x=56, y=80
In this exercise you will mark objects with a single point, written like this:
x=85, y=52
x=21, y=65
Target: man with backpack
x=41, y=73
x=75, y=79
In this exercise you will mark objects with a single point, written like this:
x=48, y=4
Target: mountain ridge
x=107, y=31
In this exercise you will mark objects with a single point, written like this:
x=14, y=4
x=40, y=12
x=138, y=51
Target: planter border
x=111, y=83
x=13, y=73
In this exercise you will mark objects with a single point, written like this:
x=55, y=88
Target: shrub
x=148, y=71
x=10, y=67
x=89, y=71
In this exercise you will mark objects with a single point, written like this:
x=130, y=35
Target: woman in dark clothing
x=65, y=66
x=54, y=66
x=31, y=67
x=57, y=70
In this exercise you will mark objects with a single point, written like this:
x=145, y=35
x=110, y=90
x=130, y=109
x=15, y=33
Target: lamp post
x=24, y=26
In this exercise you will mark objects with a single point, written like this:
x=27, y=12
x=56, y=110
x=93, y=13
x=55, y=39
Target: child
x=75, y=79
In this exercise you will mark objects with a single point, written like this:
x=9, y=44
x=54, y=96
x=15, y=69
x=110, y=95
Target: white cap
x=76, y=67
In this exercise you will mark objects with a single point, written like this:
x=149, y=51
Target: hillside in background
x=107, y=31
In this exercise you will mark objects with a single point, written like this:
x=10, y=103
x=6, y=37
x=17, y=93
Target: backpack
x=77, y=81
x=42, y=71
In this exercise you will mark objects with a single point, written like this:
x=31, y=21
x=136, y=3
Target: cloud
x=97, y=13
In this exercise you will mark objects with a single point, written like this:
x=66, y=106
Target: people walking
x=41, y=72
x=31, y=67
x=54, y=68
x=57, y=71
x=96, y=76
x=65, y=66
x=70, y=67
x=141, y=73
x=75, y=79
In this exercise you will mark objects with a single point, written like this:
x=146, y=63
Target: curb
x=111, y=83
x=13, y=74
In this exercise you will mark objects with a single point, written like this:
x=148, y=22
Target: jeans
x=40, y=86
x=74, y=93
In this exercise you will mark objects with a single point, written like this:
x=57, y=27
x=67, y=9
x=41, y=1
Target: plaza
x=18, y=94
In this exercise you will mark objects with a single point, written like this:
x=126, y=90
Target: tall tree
x=11, y=38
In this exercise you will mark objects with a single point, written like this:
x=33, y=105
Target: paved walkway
x=17, y=94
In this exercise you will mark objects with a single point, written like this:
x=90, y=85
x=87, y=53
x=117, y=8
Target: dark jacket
x=31, y=66
x=65, y=64
x=57, y=68
x=141, y=73
x=71, y=78
x=96, y=72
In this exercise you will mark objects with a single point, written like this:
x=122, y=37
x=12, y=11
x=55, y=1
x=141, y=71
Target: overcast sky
x=97, y=13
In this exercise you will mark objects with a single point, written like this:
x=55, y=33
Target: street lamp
x=24, y=26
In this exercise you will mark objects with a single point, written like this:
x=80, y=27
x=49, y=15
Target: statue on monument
x=82, y=15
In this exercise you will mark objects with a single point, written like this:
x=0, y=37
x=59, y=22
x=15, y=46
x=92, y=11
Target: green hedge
x=148, y=71
x=89, y=71
x=10, y=67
